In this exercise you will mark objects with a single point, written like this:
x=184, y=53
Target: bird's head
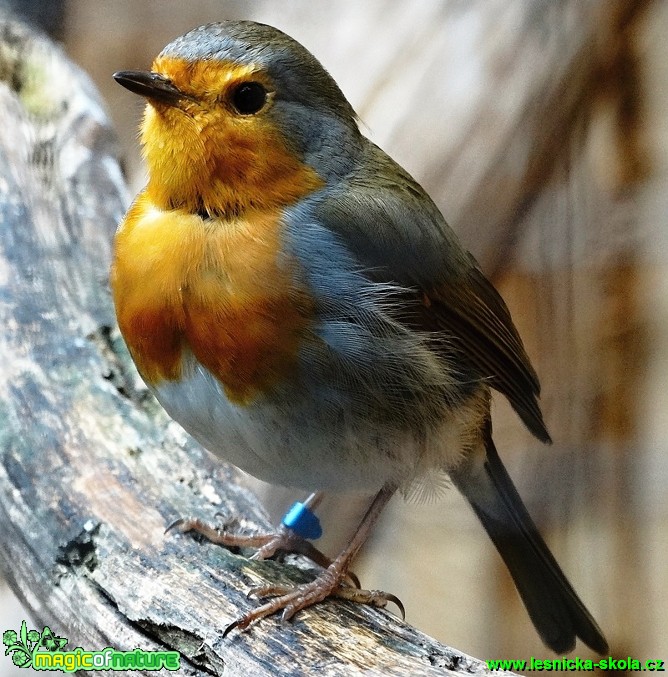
x=240, y=115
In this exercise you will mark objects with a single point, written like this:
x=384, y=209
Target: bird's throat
x=204, y=164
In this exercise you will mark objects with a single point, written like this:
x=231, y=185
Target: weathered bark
x=91, y=470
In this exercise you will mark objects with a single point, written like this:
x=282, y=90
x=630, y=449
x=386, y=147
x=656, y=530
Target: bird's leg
x=291, y=537
x=329, y=583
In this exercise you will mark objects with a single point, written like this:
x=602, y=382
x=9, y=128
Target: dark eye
x=249, y=97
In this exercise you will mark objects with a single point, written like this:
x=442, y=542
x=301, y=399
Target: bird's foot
x=291, y=599
x=282, y=541
x=278, y=543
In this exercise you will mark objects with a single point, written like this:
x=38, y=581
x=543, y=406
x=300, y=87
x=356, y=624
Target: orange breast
x=215, y=287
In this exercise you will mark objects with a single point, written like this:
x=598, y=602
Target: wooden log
x=91, y=470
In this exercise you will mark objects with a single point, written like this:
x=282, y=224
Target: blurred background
x=540, y=128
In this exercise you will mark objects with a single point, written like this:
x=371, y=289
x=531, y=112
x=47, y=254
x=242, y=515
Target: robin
x=297, y=302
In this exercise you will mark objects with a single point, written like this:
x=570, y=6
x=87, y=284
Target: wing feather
x=390, y=224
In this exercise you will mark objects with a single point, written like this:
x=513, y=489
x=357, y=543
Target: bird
x=297, y=302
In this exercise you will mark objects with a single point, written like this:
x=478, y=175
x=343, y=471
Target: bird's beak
x=151, y=85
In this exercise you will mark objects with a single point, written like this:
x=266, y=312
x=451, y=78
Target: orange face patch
x=204, y=156
x=215, y=287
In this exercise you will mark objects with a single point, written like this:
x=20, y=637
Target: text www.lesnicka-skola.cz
x=577, y=664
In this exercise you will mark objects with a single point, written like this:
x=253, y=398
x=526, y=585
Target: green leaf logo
x=26, y=643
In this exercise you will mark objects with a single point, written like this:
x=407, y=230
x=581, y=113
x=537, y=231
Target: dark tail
x=554, y=608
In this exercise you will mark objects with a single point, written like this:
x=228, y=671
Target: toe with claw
x=291, y=600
